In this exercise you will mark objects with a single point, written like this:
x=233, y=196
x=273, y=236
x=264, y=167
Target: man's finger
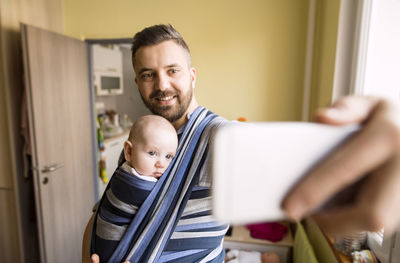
x=345, y=220
x=347, y=110
x=375, y=207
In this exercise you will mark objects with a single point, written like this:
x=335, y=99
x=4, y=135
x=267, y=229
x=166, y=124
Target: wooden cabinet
x=9, y=236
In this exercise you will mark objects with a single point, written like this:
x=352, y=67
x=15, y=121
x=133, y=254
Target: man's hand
x=375, y=151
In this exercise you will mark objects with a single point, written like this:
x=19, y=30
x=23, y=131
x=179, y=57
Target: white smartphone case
x=254, y=165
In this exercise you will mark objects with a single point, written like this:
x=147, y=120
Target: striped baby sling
x=168, y=220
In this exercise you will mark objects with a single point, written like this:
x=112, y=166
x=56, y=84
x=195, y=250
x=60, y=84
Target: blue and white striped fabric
x=165, y=221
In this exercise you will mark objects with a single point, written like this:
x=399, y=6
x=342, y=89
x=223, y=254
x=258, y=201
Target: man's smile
x=165, y=101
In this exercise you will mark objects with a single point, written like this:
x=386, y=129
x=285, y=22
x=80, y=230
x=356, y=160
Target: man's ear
x=128, y=148
x=193, y=77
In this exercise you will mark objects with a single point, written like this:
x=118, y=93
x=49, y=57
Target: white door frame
x=364, y=67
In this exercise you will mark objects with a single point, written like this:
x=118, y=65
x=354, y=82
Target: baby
x=149, y=150
x=150, y=147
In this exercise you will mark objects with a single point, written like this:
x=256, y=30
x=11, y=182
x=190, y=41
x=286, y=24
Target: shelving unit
x=241, y=239
x=113, y=147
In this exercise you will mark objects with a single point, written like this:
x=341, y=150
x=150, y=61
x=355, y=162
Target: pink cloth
x=273, y=232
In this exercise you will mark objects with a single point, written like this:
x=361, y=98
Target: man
x=166, y=80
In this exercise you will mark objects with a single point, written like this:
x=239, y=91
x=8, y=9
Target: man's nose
x=162, y=82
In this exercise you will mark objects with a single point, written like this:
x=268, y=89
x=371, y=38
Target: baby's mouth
x=157, y=174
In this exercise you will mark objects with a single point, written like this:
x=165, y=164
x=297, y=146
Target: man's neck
x=179, y=123
x=184, y=119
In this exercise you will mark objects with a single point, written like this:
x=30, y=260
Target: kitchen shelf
x=241, y=239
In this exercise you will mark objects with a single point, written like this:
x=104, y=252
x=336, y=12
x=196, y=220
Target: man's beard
x=171, y=112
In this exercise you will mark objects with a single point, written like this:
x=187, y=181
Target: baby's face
x=154, y=153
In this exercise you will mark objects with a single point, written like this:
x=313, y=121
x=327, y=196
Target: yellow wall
x=249, y=55
x=324, y=53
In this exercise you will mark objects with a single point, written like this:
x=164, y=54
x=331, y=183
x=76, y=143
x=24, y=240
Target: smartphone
x=254, y=165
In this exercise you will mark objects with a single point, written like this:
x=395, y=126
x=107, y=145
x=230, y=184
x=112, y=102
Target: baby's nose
x=159, y=164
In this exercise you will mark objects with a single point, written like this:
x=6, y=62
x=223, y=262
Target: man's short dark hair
x=156, y=34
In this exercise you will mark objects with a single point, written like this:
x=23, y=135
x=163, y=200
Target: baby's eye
x=169, y=156
x=152, y=153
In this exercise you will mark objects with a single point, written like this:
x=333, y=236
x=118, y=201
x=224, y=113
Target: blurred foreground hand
x=372, y=155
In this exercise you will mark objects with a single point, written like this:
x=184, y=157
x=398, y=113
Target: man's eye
x=169, y=156
x=147, y=76
x=152, y=153
x=173, y=71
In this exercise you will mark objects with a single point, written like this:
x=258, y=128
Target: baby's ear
x=128, y=150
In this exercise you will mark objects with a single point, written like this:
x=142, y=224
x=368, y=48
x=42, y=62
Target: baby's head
x=151, y=145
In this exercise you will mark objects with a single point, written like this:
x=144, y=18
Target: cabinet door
x=113, y=149
x=57, y=83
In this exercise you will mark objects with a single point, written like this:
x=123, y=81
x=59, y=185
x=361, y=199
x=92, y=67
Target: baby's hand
x=95, y=259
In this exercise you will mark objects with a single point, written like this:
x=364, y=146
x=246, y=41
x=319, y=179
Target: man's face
x=165, y=79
